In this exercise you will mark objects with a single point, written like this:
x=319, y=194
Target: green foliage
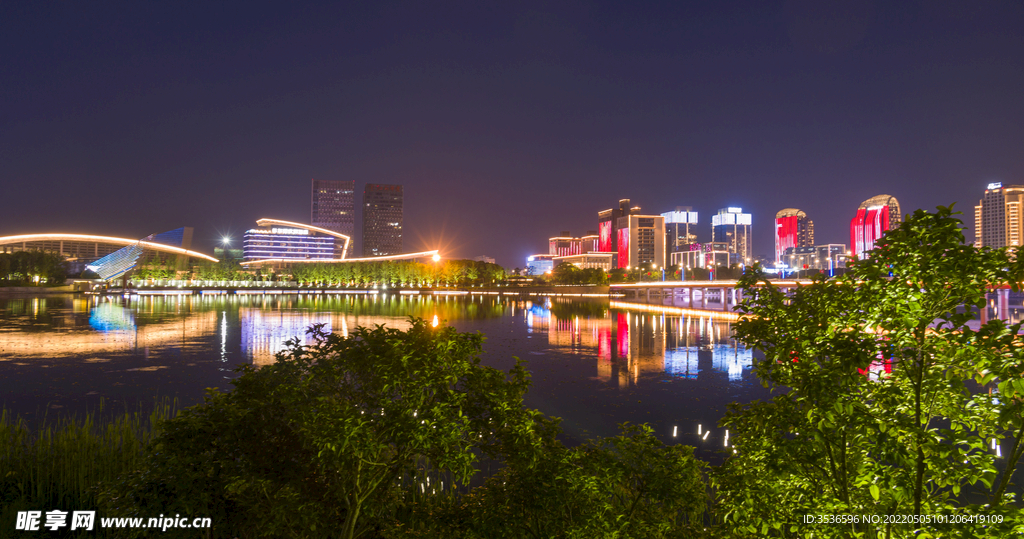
x=22, y=268
x=916, y=441
x=58, y=465
x=334, y=438
x=629, y=485
x=570, y=274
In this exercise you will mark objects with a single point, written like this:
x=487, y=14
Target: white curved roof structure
x=27, y=238
x=290, y=224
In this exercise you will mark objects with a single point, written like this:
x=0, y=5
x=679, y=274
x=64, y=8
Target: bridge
x=697, y=295
x=724, y=296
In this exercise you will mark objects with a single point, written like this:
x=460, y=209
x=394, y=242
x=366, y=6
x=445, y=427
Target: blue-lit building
x=539, y=264
x=282, y=243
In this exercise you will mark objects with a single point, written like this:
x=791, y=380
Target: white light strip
x=407, y=256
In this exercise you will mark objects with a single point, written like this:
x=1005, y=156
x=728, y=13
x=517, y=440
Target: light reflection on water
x=593, y=365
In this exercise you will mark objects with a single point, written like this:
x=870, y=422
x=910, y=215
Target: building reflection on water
x=625, y=344
x=628, y=344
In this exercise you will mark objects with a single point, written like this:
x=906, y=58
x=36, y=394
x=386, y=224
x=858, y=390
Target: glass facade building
x=732, y=227
x=382, y=219
x=333, y=206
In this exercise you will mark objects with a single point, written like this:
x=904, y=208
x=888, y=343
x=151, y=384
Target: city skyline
x=504, y=124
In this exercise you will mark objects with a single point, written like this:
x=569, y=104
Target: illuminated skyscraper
x=334, y=206
x=680, y=230
x=874, y=217
x=608, y=226
x=998, y=221
x=792, y=229
x=382, y=219
x=732, y=227
x=641, y=239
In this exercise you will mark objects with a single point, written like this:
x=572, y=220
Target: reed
x=60, y=463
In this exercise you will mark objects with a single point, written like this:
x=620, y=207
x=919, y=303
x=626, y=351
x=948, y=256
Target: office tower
x=334, y=206
x=874, y=217
x=382, y=219
x=732, y=227
x=792, y=229
x=680, y=230
x=997, y=217
x=607, y=226
x=640, y=239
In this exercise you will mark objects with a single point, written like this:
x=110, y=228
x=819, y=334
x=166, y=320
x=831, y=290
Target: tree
x=888, y=410
x=331, y=439
x=629, y=485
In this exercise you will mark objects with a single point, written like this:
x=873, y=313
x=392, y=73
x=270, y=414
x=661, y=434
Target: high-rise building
x=998, y=221
x=732, y=227
x=640, y=239
x=607, y=226
x=680, y=230
x=792, y=229
x=334, y=206
x=382, y=219
x=874, y=217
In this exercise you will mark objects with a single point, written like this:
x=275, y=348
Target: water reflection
x=630, y=343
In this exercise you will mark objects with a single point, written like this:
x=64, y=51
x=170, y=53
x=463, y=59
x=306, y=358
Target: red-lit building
x=608, y=226
x=874, y=217
x=792, y=229
x=566, y=245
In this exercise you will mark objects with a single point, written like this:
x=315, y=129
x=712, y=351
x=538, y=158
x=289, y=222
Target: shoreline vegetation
x=894, y=407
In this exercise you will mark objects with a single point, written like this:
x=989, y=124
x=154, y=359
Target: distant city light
x=226, y=240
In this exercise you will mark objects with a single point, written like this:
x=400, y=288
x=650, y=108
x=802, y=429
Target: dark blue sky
x=506, y=123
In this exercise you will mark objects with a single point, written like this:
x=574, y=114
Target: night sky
x=506, y=122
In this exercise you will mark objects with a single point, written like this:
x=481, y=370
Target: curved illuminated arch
x=104, y=239
x=406, y=256
x=269, y=222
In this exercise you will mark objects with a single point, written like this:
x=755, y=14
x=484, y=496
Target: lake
x=594, y=363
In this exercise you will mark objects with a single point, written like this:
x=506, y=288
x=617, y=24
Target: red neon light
x=604, y=242
x=622, y=335
x=785, y=235
x=857, y=233
x=623, y=247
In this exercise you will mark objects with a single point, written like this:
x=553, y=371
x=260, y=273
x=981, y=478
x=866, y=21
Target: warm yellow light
x=436, y=258
x=435, y=321
x=103, y=239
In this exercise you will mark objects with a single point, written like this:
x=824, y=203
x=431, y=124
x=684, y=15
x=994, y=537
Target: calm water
x=593, y=364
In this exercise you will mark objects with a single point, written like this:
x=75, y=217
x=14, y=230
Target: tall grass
x=60, y=463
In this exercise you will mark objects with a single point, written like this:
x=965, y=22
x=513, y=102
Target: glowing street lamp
x=436, y=257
